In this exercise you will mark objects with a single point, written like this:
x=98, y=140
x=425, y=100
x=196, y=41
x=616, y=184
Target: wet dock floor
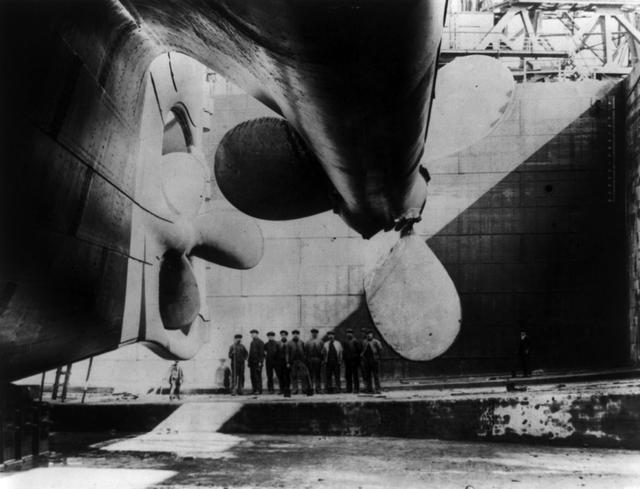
x=78, y=460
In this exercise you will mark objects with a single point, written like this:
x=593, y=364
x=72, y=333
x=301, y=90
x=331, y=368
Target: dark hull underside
x=354, y=78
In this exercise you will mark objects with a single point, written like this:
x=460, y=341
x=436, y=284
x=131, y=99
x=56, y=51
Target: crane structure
x=538, y=39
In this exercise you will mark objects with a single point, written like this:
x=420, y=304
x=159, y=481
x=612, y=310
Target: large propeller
x=411, y=298
x=175, y=227
x=473, y=95
x=266, y=170
x=224, y=237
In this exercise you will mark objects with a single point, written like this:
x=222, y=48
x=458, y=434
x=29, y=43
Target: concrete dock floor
x=332, y=462
x=602, y=414
x=407, y=439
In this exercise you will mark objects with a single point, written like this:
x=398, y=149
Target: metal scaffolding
x=571, y=39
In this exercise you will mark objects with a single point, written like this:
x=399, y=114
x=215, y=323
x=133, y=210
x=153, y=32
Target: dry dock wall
x=632, y=188
x=529, y=222
x=559, y=418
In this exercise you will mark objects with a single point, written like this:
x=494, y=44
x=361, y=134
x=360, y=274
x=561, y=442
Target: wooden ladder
x=61, y=371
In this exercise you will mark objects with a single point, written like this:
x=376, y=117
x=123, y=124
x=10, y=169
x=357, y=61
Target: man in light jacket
x=370, y=359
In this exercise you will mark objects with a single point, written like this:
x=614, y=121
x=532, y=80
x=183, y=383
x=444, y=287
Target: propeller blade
x=228, y=238
x=179, y=299
x=473, y=95
x=413, y=301
x=265, y=169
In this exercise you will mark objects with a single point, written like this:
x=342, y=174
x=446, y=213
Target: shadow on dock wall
x=543, y=250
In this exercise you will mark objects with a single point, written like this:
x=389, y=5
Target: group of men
x=298, y=365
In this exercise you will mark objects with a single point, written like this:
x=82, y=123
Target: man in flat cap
x=238, y=355
x=351, y=354
x=370, y=358
x=314, y=359
x=256, y=359
x=271, y=359
x=176, y=378
x=284, y=365
x=332, y=359
x=298, y=357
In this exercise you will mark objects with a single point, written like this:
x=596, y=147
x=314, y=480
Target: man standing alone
x=524, y=352
x=352, y=351
x=271, y=353
x=238, y=355
x=176, y=377
x=256, y=358
x=332, y=358
x=370, y=357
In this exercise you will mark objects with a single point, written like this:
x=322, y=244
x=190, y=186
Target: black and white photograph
x=307, y=244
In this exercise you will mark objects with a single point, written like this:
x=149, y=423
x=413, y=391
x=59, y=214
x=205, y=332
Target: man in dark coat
x=256, y=359
x=370, y=358
x=284, y=365
x=297, y=358
x=363, y=337
x=238, y=355
x=524, y=352
x=352, y=349
x=314, y=359
x=271, y=359
x=332, y=359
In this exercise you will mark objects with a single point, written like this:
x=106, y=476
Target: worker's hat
x=238, y=336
